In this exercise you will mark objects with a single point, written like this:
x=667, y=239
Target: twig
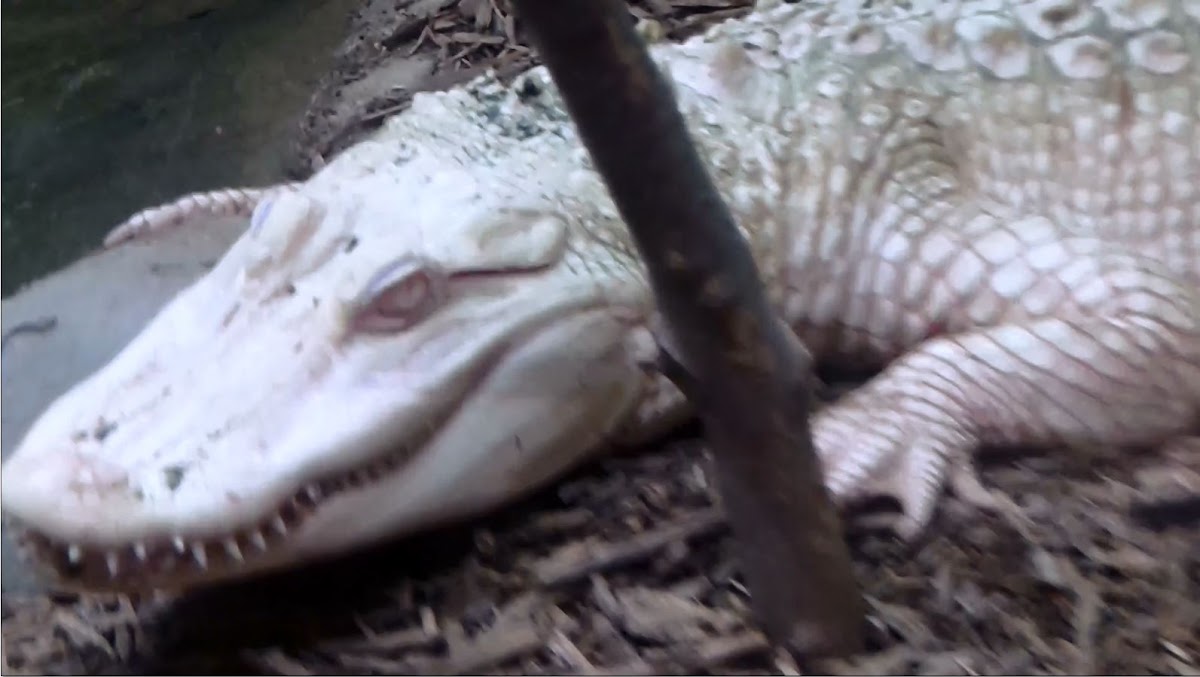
x=397, y=640
x=720, y=650
x=38, y=326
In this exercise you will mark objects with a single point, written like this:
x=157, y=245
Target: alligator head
x=363, y=362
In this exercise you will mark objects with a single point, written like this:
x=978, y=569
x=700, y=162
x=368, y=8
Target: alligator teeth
x=234, y=551
x=139, y=551
x=199, y=555
x=313, y=492
x=279, y=525
x=180, y=546
x=114, y=564
x=74, y=554
x=258, y=541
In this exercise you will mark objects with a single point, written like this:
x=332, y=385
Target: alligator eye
x=400, y=295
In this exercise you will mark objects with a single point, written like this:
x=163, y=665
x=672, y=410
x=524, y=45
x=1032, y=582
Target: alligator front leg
x=225, y=202
x=1117, y=363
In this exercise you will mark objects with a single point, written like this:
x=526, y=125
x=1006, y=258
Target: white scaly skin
x=997, y=201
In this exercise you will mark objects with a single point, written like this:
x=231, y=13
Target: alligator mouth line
x=169, y=559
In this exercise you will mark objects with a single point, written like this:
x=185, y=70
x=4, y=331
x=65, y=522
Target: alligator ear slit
x=261, y=212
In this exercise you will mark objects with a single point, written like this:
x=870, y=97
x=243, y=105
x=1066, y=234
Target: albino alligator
x=999, y=202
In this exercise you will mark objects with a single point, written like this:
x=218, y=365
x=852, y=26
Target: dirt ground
x=626, y=567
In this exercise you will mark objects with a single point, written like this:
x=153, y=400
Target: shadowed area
x=112, y=106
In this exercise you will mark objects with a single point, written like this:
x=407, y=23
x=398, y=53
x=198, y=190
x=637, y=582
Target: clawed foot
x=891, y=456
x=916, y=481
x=871, y=451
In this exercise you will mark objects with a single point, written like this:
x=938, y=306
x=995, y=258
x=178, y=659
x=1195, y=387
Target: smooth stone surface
x=99, y=303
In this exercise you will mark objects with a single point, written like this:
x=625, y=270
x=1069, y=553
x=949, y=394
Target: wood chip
x=661, y=616
x=396, y=640
x=496, y=646
x=721, y=650
x=569, y=653
x=577, y=561
x=278, y=662
x=82, y=632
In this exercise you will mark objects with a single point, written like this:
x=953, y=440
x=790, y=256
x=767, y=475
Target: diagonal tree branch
x=749, y=378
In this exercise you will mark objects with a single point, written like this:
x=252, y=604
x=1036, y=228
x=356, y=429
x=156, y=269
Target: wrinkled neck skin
x=444, y=318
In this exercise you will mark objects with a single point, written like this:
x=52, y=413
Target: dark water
x=115, y=105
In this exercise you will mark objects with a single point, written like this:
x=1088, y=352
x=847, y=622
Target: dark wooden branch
x=747, y=375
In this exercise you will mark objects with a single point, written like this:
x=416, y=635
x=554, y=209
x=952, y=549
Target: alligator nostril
x=103, y=429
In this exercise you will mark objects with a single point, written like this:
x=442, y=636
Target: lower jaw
x=165, y=562
x=154, y=564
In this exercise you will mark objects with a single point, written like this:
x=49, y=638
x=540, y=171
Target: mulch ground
x=463, y=38
x=627, y=566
